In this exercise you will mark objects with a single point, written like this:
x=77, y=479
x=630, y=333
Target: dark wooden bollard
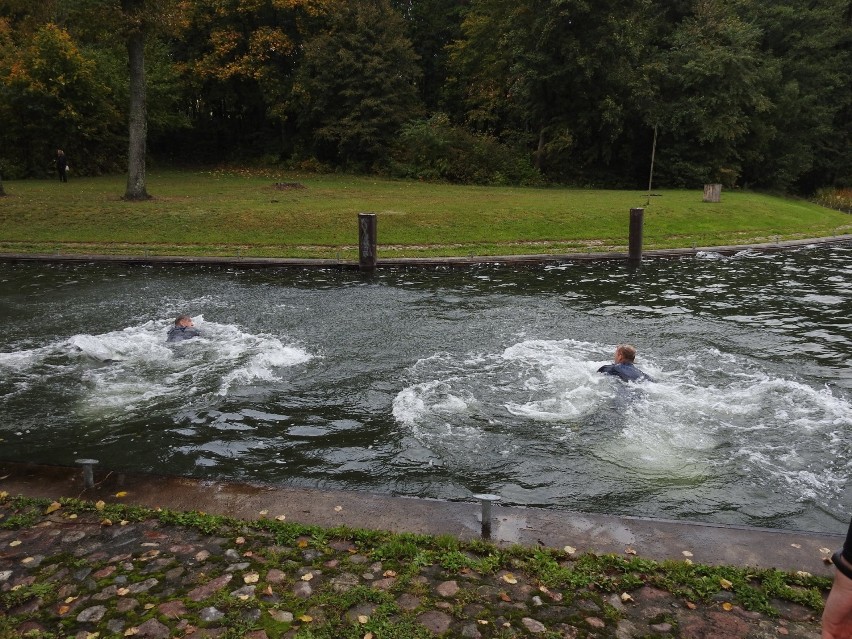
x=367, y=241
x=637, y=218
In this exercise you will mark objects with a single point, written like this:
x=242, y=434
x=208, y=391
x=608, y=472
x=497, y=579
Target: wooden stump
x=712, y=192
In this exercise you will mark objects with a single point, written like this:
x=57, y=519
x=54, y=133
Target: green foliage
x=434, y=149
x=356, y=85
x=52, y=96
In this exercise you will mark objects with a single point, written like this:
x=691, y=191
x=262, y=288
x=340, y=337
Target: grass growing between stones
x=72, y=566
x=243, y=213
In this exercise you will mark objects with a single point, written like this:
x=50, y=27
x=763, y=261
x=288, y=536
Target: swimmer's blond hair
x=627, y=351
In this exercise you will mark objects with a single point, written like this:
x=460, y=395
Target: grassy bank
x=254, y=213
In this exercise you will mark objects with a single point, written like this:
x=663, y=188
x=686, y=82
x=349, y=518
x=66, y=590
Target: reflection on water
x=443, y=383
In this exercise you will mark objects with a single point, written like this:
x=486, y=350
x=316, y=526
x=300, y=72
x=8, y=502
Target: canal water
x=441, y=383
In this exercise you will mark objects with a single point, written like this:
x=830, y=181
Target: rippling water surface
x=440, y=383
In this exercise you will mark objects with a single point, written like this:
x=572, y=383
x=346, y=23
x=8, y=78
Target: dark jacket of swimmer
x=183, y=329
x=623, y=367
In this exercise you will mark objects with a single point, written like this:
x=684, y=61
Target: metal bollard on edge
x=486, y=501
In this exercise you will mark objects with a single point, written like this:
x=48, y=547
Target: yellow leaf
x=27, y=560
x=725, y=584
x=363, y=619
x=306, y=618
x=123, y=522
x=543, y=589
x=625, y=597
x=121, y=493
x=369, y=635
x=243, y=597
x=106, y=522
x=796, y=545
x=686, y=553
x=100, y=505
x=825, y=551
x=688, y=562
x=240, y=541
x=122, y=591
x=337, y=509
x=251, y=578
x=17, y=542
x=264, y=513
x=727, y=606
x=53, y=508
x=303, y=543
x=131, y=631
x=629, y=551
x=389, y=573
x=307, y=576
x=93, y=635
x=63, y=610
x=570, y=550
x=482, y=622
x=509, y=578
x=70, y=599
x=281, y=517
x=72, y=516
x=148, y=606
x=803, y=573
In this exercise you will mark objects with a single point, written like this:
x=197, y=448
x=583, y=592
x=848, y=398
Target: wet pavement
x=68, y=571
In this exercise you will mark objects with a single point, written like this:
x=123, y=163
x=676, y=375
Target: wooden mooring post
x=637, y=219
x=367, y=241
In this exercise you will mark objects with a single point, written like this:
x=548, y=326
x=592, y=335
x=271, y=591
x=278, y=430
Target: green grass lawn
x=221, y=213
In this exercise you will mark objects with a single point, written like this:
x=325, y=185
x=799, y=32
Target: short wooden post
x=712, y=192
x=637, y=219
x=367, y=241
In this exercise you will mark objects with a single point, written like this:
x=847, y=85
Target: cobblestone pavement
x=76, y=575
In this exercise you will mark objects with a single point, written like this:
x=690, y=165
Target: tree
x=137, y=134
x=558, y=77
x=804, y=140
x=712, y=83
x=357, y=84
x=51, y=95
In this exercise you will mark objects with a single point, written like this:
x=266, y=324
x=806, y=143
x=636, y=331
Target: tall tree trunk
x=138, y=127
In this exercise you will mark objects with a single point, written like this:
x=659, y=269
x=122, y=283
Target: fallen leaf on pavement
x=509, y=578
x=53, y=507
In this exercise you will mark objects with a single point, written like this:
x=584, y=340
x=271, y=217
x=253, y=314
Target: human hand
x=837, y=615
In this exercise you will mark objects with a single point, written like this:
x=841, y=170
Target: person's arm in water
x=837, y=616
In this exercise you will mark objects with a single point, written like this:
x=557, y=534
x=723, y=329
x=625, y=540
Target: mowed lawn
x=261, y=213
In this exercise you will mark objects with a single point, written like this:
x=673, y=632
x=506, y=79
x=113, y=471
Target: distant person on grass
x=623, y=367
x=61, y=165
x=183, y=329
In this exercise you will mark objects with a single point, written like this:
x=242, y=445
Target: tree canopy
x=742, y=92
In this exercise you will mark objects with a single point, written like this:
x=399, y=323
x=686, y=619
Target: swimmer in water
x=183, y=329
x=623, y=367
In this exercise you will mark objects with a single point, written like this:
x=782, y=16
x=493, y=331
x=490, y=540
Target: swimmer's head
x=625, y=353
x=183, y=321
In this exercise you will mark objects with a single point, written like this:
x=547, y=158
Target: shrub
x=832, y=198
x=434, y=150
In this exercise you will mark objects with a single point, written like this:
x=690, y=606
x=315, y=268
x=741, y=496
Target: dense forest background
x=743, y=92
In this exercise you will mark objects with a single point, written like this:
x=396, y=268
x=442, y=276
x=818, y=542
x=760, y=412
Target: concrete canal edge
x=508, y=260
x=655, y=539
